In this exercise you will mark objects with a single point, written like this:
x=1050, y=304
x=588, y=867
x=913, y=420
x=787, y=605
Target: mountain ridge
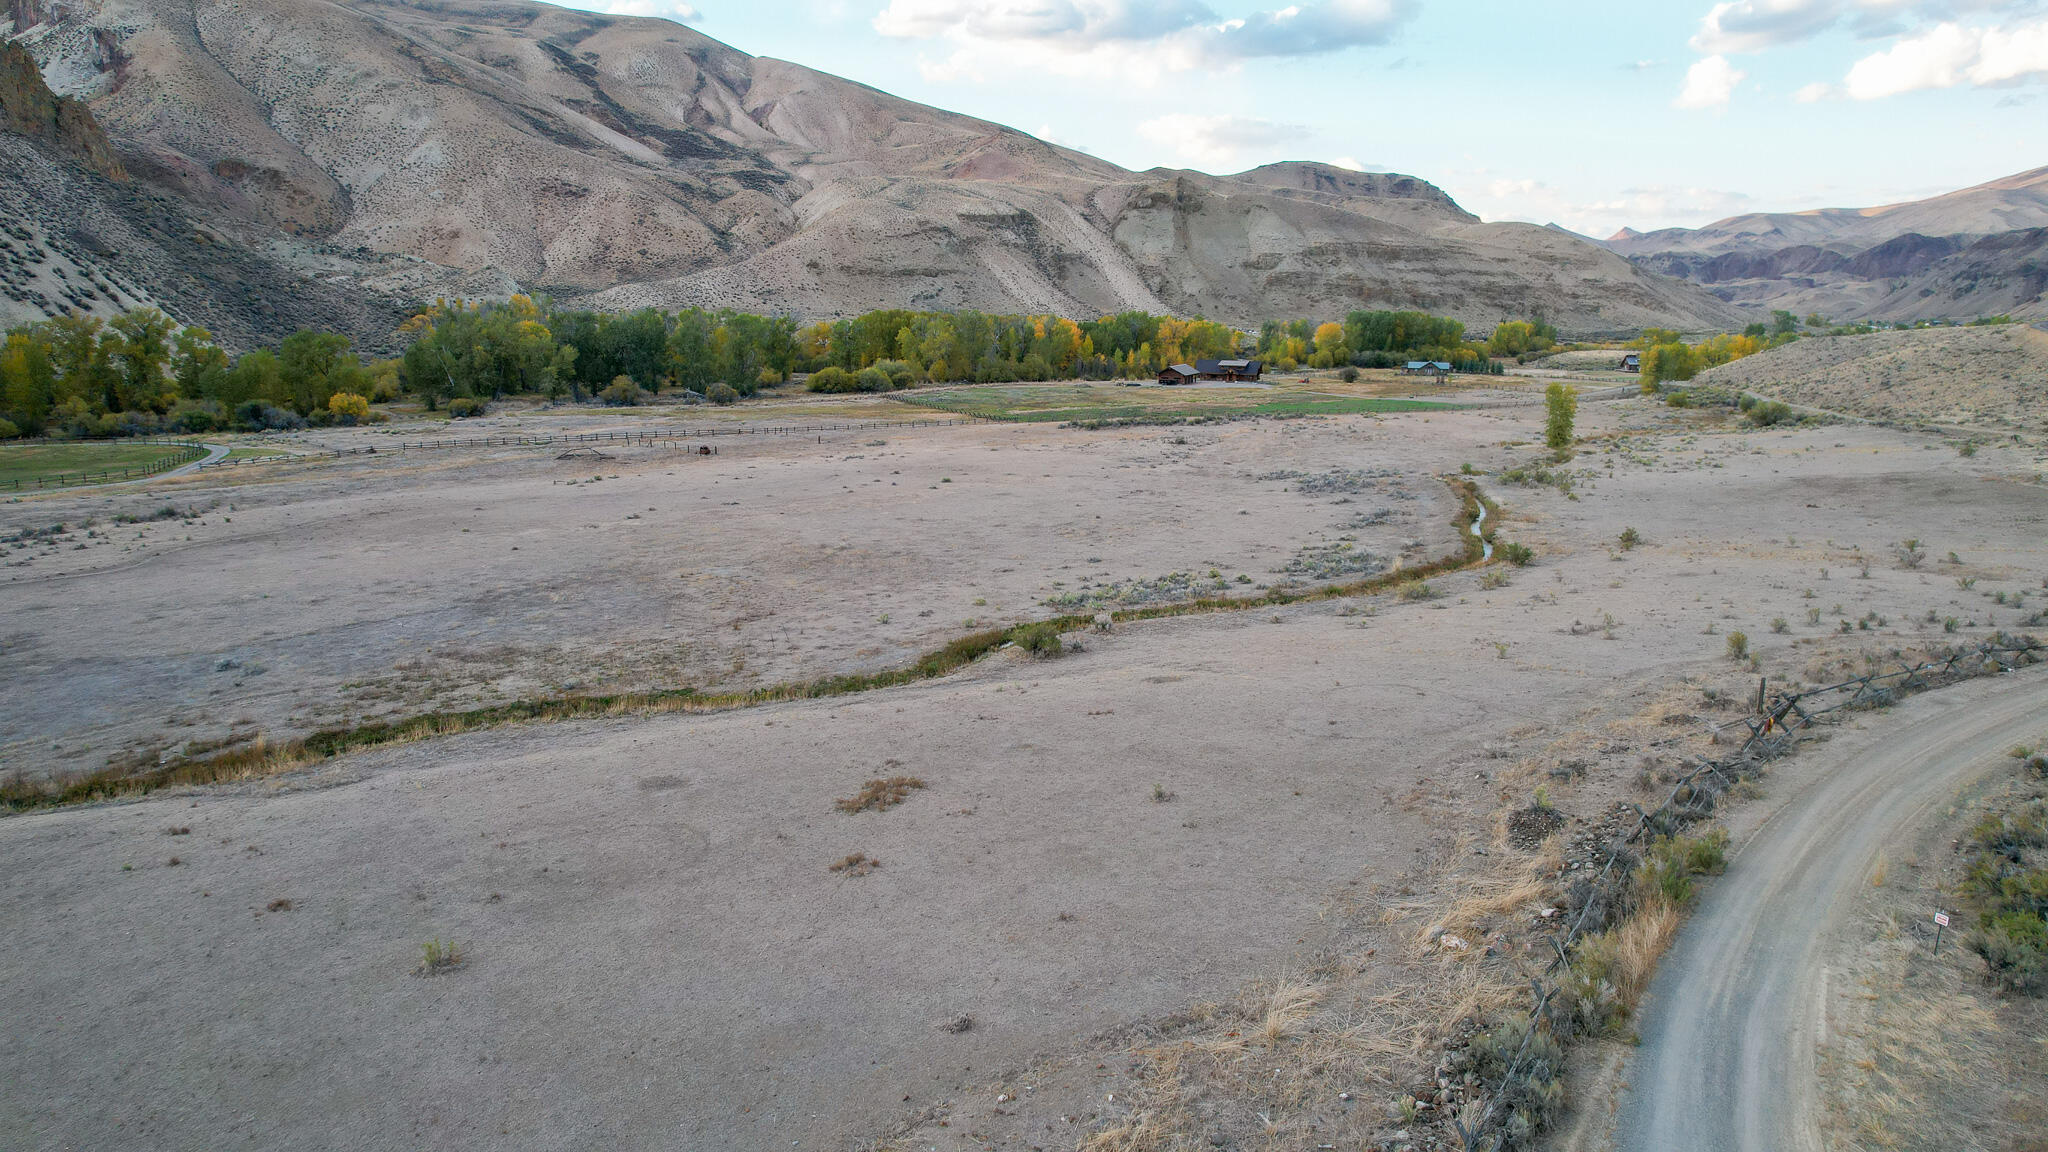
x=1977, y=251
x=623, y=162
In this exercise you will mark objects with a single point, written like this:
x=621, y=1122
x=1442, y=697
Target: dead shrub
x=880, y=794
x=858, y=864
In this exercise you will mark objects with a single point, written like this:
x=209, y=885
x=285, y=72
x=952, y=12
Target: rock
x=960, y=1023
x=1452, y=943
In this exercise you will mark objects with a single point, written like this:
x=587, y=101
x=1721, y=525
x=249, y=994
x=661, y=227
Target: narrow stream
x=1478, y=525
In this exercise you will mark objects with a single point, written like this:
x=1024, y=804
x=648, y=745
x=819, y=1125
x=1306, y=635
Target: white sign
x=1941, y=918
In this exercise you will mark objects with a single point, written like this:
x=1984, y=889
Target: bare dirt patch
x=319, y=595
x=648, y=899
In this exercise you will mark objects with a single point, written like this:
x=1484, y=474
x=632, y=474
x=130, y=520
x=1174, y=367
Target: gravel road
x=1732, y=1022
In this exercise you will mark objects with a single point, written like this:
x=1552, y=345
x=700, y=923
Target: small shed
x=1632, y=362
x=1178, y=374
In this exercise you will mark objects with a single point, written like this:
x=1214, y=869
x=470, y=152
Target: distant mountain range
x=1979, y=252
x=336, y=161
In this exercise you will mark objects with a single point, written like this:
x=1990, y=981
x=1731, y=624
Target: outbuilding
x=1178, y=374
x=1234, y=371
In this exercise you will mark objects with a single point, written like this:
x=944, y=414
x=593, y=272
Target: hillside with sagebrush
x=1993, y=377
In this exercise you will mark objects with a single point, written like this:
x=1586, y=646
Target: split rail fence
x=1772, y=732
x=185, y=454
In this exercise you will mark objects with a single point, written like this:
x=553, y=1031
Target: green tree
x=256, y=376
x=140, y=344
x=689, y=351
x=1561, y=401
x=196, y=363
x=316, y=365
x=1664, y=362
x=1515, y=337
x=28, y=380
x=82, y=360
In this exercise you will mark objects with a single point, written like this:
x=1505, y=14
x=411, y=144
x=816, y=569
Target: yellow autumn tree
x=1330, y=349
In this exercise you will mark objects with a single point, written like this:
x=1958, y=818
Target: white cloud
x=1348, y=163
x=1950, y=55
x=1709, y=83
x=1754, y=25
x=1089, y=37
x=1313, y=29
x=665, y=9
x=1217, y=143
x=1815, y=92
x=1496, y=197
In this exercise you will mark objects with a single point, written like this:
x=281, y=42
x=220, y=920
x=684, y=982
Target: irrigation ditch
x=1503, y=1111
x=1476, y=513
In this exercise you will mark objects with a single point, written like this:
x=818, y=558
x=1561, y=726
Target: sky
x=1596, y=114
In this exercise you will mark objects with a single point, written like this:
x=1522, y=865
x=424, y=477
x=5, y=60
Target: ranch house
x=1230, y=370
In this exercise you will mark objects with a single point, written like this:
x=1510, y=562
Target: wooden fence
x=185, y=454
x=1772, y=732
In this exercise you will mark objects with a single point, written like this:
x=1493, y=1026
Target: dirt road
x=1736, y=1014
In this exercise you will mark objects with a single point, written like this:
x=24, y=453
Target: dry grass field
x=1130, y=883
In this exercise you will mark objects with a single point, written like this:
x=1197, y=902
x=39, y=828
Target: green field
x=21, y=466
x=1058, y=403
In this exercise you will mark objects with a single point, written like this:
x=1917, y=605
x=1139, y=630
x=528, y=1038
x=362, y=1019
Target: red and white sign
x=1941, y=918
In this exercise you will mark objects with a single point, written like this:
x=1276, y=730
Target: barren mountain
x=471, y=145
x=1977, y=252
x=2019, y=201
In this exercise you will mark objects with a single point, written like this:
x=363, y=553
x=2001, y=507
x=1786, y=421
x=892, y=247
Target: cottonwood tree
x=1562, y=403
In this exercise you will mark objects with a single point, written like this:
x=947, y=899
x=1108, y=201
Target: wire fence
x=623, y=439
x=185, y=454
x=1772, y=731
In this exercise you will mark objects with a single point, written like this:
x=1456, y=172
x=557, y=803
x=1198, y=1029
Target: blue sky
x=1593, y=114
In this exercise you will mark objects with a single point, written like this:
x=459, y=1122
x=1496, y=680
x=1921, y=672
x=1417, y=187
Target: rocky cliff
x=28, y=108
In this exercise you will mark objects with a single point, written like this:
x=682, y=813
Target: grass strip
x=262, y=759
x=1117, y=415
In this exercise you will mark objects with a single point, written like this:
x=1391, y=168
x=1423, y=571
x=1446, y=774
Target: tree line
x=1667, y=357
x=1381, y=339
x=141, y=373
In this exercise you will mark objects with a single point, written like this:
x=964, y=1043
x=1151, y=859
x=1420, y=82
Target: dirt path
x=214, y=452
x=1735, y=1017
